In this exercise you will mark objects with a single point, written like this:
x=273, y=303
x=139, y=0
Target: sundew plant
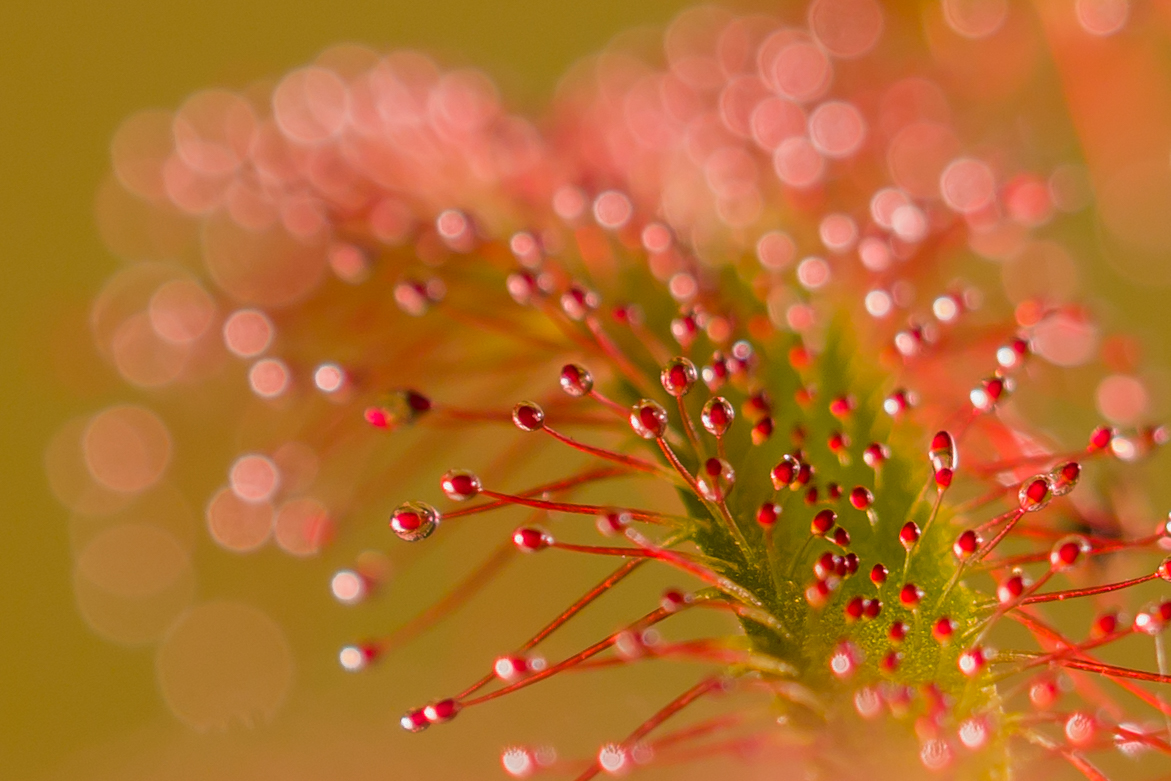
x=777, y=304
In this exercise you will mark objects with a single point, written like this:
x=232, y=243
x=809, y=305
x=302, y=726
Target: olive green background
x=69, y=73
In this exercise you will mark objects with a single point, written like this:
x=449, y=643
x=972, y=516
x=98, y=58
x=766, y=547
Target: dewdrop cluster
x=869, y=566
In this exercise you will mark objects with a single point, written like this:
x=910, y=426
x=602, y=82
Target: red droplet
x=785, y=473
x=378, y=417
x=441, y=711
x=909, y=535
x=1010, y=589
x=1012, y=354
x=817, y=593
x=578, y=301
x=841, y=537
x=673, y=600
x=841, y=406
x=679, y=376
x=851, y=561
x=898, y=632
x=757, y=406
x=1043, y=693
x=842, y=569
x=768, y=514
x=716, y=373
x=1035, y=493
x=397, y=408
x=1067, y=552
x=861, y=498
x=417, y=402
x=627, y=314
x=826, y=565
x=844, y=660
x=890, y=663
x=804, y=474
x=942, y=453
x=509, y=668
x=523, y=286
x=1064, y=478
x=989, y=392
x=838, y=442
x=459, y=485
x=878, y=574
x=513, y=667
x=762, y=430
x=648, y=419
x=715, y=479
x=966, y=545
x=1164, y=569
x=1101, y=437
x=530, y=540
x=823, y=522
x=872, y=609
x=799, y=357
x=943, y=630
x=854, y=609
x=717, y=415
x=613, y=523
x=1151, y=621
x=684, y=329
x=898, y=402
x=528, y=416
x=972, y=661
x=576, y=380
x=1080, y=728
x=414, y=521
x=1104, y=625
x=910, y=596
x=415, y=720
x=875, y=454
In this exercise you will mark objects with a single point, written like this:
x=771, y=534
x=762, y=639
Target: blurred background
x=74, y=705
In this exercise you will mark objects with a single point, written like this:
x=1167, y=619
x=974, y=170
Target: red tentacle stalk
x=611, y=580
x=1074, y=758
x=1090, y=666
x=708, y=576
x=615, y=354
x=670, y=709
x=619, y=409
x=1011, y=519
x=619, y=458
x=648, y=620
x=565, y=484
x=1098, y=547
x=689, y=427
x=1076, y=593
x=677, y=464
x=573, y=508
x=600, y=550
x=999, y=467
x=502, y=416
x=1042, y=630
x=456, y=598
x=699, y=730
